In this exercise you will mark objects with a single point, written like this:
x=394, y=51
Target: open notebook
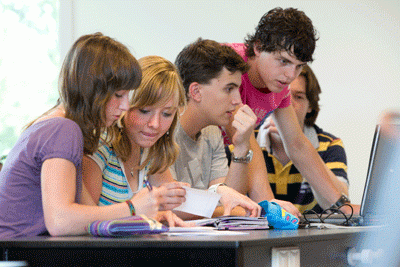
x=379, y=168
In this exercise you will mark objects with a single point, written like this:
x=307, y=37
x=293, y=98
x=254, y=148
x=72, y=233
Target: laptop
x=381, y=167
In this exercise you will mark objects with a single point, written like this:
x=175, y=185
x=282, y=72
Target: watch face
x=249, y=156
x=344, y=199
x=245, y=159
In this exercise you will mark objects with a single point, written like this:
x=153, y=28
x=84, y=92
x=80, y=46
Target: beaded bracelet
x=131, y=207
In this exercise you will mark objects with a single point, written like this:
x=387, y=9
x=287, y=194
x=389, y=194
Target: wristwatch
x=245, y=159
x=214, y=187
x=341, y=201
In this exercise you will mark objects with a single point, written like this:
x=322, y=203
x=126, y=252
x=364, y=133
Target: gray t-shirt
x=20, y=187
x=202, y=160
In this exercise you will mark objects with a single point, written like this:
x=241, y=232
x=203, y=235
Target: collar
x=186, y=136
x=311, y=134
x=309, y=131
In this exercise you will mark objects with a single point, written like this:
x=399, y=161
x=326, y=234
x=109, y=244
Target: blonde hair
x=160, y=83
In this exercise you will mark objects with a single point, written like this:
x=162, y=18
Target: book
x=234, y=223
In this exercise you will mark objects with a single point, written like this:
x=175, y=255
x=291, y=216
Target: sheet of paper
x=190, y=229
x=206, y=233
x=199, y=202
x=199, y=231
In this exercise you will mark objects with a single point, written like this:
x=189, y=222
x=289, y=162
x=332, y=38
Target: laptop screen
x=385, y=152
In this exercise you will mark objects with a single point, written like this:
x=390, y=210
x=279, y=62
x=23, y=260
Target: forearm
x=72, y=219
x=62, y=215
x=237, y=176
x=307, y=160
x=259, y=188
x=252, y=178
x=343, y=187
x=305, y=157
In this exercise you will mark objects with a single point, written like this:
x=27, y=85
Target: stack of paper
x=234, y=223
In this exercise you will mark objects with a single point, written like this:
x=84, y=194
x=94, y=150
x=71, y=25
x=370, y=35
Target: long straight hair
x=160, y=83
x=94, y=69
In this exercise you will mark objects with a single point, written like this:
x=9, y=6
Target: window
x=29, y=64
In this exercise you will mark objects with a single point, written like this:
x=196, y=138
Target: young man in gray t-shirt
x=211, y=75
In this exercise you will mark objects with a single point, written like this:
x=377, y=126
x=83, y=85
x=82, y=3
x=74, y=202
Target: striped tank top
x=115, y=186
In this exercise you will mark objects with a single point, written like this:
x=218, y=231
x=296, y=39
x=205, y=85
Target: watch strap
x=340, y=202
x=214, y=187
x=245, y=159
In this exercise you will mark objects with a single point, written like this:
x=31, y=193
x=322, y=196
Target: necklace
x=145, y=169
x=145, y=178
x=133, y=168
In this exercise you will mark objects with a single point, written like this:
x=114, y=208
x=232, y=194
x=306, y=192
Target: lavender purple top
x=20, y=186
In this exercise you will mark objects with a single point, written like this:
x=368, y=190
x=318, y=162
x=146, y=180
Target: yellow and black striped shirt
x=288, y=184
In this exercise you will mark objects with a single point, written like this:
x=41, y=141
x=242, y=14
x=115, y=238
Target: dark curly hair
x=284, y=30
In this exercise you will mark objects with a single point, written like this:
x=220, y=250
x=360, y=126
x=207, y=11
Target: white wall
x=357, y=59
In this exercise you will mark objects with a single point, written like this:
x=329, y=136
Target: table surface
x=316, y=247
x=253, y=238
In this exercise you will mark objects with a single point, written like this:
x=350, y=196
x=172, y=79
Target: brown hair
x=95, y=67
x=312, y=93
x=160, y=83
x=204, y=60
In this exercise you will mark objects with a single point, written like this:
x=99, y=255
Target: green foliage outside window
x=29, y=64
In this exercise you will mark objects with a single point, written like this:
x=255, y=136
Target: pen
x=148, y=185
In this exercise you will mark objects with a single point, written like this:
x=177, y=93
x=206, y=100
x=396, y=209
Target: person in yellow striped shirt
x=286, y=181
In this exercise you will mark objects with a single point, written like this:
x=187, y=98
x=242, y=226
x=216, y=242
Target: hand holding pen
x=165, y=197
x=148, y=185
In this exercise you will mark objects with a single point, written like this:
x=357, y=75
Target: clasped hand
x=244, y=123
